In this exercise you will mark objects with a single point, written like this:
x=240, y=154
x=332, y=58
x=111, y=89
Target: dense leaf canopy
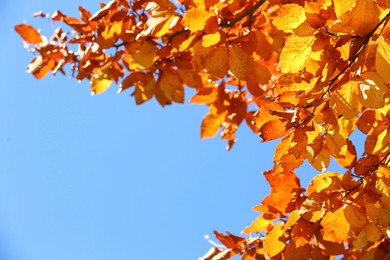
x=309, y=73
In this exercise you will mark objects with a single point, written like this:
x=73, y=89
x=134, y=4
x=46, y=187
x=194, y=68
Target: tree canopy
x=309, y=73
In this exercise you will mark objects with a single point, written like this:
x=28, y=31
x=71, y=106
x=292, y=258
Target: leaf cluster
x=309, y=73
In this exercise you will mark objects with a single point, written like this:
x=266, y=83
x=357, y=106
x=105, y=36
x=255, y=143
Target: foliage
x=314, y=72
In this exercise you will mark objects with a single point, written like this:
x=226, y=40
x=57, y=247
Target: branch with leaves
x=314, y=73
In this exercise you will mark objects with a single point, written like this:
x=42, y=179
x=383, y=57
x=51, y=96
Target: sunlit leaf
x=28, y=33
x=289, y=17
x=295, y=54
x=335, y=226
x=99, y=83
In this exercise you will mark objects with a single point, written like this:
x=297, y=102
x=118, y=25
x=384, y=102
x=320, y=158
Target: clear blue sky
x=97, y=178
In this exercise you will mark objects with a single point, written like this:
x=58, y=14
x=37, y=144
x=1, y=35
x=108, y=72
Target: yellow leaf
x=113, y=30
x=335, y=226
x=342, y=6
x=346, y=100
x=99, y=83
x=324, y=181
x=217, y=63
x=372, y=90
x=211, y=39
x=260, y=224
x=143, y=55
x=336, y=144
x=289, y=17
x=171, y=85
x=240, y=62
x=195, y=19
x=364, y=17
x=295, y=54
x=382, y=60
x=272, y=243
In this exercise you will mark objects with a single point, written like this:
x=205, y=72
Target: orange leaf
x=195, y=19
x=335, y=226
x=274, y=241
x=171, y=85
x=211, y=122
x=28, y=33
x=240, y=62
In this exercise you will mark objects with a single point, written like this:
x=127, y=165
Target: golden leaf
x=272, y=243
x=195, y=19
x=143, y=56
x=295, y=54
x=346, y=100
x=335, y=226
x=211, y=39
x=171, y=85
x=382, y=60
x=342, y=6
x=217, y=63
x=372, y=90
x=211, y=122
x=99, y=83
x=240, y=62
x=260, y=224
x=289, y=17
x=318, y=154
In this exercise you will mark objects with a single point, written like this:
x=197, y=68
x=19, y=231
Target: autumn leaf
x=295, y=54
x=28, y=33
x=273, y=242
x=195, y=19
x=336, y=226
x=308, y=75
x=99, y=83
x=289, y=17
x=382, y=61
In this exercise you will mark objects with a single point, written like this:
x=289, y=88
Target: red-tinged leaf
x=28, y=33
x=58, y=16
x=229, y=240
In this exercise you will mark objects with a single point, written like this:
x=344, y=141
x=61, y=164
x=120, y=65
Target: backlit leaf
x=99, y=83
x=346, y=100
x=273, y=242
x=335, y=226
x=289, y=17
x=171, y=85
x=295, y=54
x=240, y=62
x=362, y=21
x=195, y=19
x=28, y=33
x=382, y=61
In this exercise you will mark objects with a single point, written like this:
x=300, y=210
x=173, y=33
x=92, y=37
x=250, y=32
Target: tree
x=309, y=73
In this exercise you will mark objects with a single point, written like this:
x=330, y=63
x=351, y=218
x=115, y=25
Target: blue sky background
x=98, y=178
